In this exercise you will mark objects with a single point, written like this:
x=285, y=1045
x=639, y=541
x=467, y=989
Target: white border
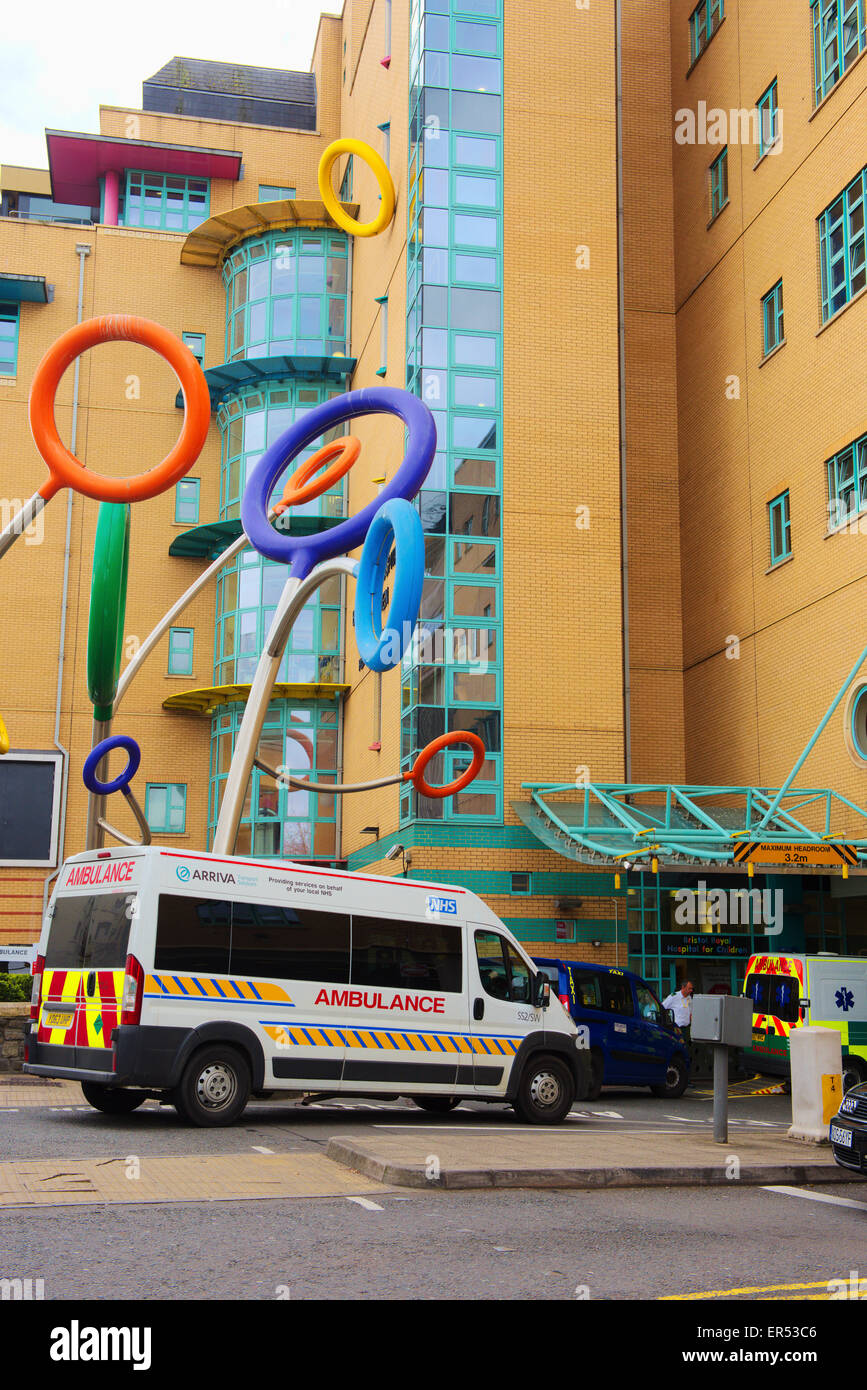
x=28, y=756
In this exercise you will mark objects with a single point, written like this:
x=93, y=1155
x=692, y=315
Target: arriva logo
x=183, y=873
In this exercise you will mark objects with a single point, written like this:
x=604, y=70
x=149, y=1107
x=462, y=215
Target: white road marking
x=260, y=1150
x=366, y=1203
x=818, y=1197
x=8, y=1109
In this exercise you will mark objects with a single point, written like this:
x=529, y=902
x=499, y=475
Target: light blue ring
x=376, y=647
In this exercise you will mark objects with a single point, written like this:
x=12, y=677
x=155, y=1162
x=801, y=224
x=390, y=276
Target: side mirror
x=541, y=992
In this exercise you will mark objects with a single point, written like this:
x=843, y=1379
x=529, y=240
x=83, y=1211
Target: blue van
x=633, y=1041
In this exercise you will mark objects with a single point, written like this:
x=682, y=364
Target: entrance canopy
x=636, y=824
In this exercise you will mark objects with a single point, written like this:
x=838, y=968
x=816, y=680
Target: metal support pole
x=720, y=1094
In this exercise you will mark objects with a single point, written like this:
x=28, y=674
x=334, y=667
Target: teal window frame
x=194, y=205
x=843, y=247
x=175, y=808
x=270, y=807
x=9, y=314
x=187, y=501
x=345, y=194
x=719, y=184
x=768, y=113
x=275, y=192
x=839, y=36
x=772, y=318
x=385, y=130
x=780, y=526
x=847, y=482
x=269, y=309
x=196, y=343
x=704, y=21
x=181, y=651
x=383, y=335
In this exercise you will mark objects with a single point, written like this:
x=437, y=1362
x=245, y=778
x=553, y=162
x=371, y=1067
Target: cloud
x=60, y=62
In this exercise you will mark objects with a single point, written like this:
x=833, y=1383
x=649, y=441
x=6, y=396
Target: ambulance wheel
x=214, y=1088
x=676, y=1079
x=112, y=1100
x=546, y=1092
x=436, y=1105
x=854, y=1072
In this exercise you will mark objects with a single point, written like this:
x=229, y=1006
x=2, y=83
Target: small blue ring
x=399, y=519
x=95, y=757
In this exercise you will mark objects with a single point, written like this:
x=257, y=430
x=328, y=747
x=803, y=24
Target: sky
x=60, y=61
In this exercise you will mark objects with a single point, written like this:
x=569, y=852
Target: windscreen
x=90, y=933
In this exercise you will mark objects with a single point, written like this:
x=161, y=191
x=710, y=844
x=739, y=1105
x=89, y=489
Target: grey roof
x=232, y=91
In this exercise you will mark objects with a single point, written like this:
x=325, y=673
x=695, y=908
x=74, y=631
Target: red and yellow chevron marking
x=389, y=1040
x=197, y=987
x=96, y=1015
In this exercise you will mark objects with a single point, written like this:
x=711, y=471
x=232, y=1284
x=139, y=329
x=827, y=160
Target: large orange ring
x=68, y=471
x=415, y=774
x=344, y=451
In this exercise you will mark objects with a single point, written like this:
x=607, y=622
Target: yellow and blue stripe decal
x=196, y=989
x=389, y=1039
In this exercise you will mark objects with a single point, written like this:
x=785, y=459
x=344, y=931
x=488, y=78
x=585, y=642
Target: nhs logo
x=441, y=907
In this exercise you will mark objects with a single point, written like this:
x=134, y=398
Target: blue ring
x=95, y=757
x=304, y=552
x=399, y=519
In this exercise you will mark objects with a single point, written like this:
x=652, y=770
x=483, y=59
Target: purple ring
x=304, y=552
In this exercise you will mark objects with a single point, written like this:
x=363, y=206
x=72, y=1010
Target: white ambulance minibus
x=201, y=980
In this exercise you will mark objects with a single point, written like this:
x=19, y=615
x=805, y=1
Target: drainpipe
x=82, y=251
x=621, y=348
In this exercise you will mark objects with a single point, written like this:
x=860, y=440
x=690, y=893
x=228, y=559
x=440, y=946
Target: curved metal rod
x=139, y=815
x=295, y=594
x=328, y=787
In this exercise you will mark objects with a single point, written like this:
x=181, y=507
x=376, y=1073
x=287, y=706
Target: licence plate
x=841, y=1136
x=53, y=1018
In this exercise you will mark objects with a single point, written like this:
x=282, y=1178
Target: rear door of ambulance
x=85, y=959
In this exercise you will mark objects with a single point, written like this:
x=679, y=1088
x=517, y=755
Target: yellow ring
x=380, y=170
x=4, y=738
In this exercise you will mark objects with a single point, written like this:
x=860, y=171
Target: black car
x=848, y=1132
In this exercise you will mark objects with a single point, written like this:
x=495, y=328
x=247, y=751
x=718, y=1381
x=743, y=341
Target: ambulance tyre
x=112, y=1100
x=436, y=1105
x=854, y=1072
x=214, y=1088
x=546, y=1092
x=676, y=1079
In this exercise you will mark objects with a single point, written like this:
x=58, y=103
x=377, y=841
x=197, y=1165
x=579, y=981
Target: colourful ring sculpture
x=344, y=451
x=303, y=552
x=4, y=739
x=416, y=772
x=107, y=606
x=94, y=758
x=64, y=468
x=396, y=519
x=380, y=170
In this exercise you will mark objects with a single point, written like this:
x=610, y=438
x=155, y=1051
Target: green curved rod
x=107, y=606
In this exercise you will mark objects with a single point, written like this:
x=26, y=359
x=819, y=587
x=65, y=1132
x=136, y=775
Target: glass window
x=503, y=972
x=475, y=351
x=847, y=482
x=165, y=200
x=180, y=651
x=187, y=501
x=842, y=247
x=768, y=119
x=272, y=192
x=192, y=934
x=476, y=74
x=166, y=807
x=649, y=1007
x=772, y=317
x=289, y=943
x=703, y=24
x=476, y=38
x=476, y=270
x=196, y=343
x=476, y=191
x=838, y=38
x=476, y=150
x=473, y=231
x=8, y=339
x=90, y=933
x=422, y=956
x=477, y=113
x=719, y=183
x=781, y=527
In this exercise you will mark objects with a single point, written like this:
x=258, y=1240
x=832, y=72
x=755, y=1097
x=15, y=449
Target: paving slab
x=23, y=1094
x=580, y=1158
x=214, y=1178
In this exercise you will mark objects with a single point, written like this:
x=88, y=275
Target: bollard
x=817, y=1085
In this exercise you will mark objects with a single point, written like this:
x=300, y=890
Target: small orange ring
x=415, y=776
x=344, y=451
x=64, y=468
